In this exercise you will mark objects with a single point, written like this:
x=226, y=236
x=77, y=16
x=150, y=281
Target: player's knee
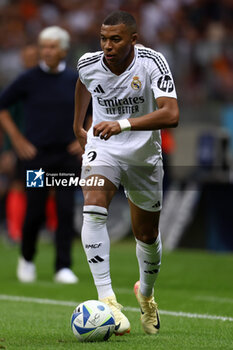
x=96, y=198
x=148, y=239
x=146, y=233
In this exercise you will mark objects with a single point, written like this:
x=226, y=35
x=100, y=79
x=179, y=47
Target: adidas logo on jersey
x=156, y=205
x=99, y=89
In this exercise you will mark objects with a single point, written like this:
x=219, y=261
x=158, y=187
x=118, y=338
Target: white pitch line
x=128, y=308
x=214, y=299
x=37, y=300
x=186, y=314
x=208, y=298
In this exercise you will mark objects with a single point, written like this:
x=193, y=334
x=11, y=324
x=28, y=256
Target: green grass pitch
x=194, y=292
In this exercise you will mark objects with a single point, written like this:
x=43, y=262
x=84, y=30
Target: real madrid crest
x=136, y=84
x=87, y=169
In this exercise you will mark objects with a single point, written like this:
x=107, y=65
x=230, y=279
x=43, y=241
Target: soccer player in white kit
x=133, y=96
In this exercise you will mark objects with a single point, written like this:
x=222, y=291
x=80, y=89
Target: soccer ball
x=92, y=320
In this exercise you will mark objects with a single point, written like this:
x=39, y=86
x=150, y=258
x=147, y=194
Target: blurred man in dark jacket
x=48, y=143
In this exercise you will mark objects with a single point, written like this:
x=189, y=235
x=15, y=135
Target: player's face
x=51, y=52
x=117, y=43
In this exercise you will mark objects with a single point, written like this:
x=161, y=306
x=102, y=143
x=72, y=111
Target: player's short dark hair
x=118, y=17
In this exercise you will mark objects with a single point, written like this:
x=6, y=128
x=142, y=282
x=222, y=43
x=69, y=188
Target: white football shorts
x=142, y=183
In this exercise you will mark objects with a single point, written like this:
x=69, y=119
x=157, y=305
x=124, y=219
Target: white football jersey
x=129, y=95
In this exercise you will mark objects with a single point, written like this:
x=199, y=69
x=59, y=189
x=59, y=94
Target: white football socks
x=96, y=243
x=149, y=261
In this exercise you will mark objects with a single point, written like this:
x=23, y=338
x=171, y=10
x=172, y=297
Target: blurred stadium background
x=196, y=38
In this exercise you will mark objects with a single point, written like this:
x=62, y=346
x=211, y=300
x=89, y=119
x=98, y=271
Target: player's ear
x=134, y=38
x=63, y=53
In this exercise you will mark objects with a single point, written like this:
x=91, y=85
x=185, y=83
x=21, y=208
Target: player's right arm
x=23, y=148
x=82, y=100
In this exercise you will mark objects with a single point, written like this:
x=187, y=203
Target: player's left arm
x=166, y=116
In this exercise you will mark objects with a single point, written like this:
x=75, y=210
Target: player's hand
x=75, y=148
x=106, y=129
x=24, y=148
x=82, y=138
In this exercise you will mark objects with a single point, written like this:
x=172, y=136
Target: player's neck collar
x=127, y=69
x=45, y=68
